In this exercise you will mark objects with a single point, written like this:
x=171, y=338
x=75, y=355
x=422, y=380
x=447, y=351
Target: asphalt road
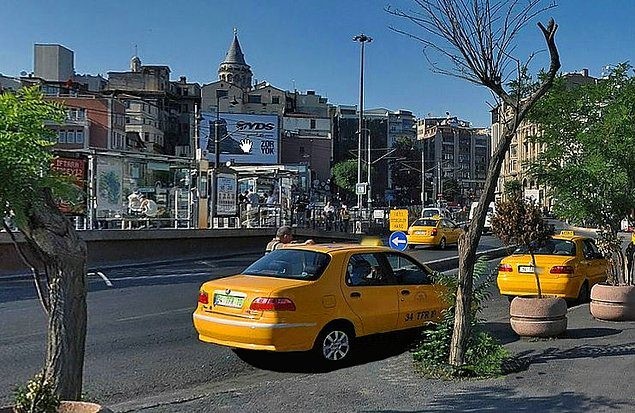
x=140, y=341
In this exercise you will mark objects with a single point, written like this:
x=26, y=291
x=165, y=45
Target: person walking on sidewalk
x=284, y=236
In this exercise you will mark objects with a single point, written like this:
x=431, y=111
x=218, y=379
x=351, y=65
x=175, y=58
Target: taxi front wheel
x=334, y=343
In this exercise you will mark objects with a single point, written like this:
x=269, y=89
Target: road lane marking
x=103, y=277
x=139, y=317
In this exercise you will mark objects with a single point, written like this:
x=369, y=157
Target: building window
x=254, y=99
x=79, y=136
x=301, y=150
x=312, y=123
x=185, y=92
x=275, y=100
x=221, y=93
x=70, y=136
x=146, y=136
x=62, y=136
x=127, y=119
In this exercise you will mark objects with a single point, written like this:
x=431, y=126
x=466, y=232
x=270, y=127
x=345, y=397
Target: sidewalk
x=592, y=368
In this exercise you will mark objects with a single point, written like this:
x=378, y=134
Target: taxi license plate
x=420, y=233
x=526, y=269
x=228, y=300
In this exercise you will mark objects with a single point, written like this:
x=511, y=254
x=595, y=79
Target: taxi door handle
x=356, y=294
x=405, y=292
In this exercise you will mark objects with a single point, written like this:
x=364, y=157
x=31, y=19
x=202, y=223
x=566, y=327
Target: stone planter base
x=538, y=317
x=613, y=302
x=71, y=407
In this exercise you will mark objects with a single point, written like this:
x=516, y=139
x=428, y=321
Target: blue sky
x=303, y=42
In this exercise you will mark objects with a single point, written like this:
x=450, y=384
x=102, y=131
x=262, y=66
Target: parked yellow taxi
x=433, y=231
x=568, y=266
x=318, y=297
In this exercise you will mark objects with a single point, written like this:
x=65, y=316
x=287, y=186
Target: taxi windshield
x=425, y=223
x=552, y=247
x=430, y=213
x=290, y=263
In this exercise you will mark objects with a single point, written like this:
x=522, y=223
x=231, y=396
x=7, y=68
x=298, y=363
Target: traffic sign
x=360, y=188
x=398, y=241
x=398, y=219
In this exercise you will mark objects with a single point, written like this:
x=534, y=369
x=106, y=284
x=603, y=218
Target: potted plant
x=587, y=164
x=615, y=299
x=519, y=221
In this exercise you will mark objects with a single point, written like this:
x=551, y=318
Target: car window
x=589, y=249
x=425, y=223
x=430, y=213
x=368, y=270
x=407, y=271
x=448, y=224
x=290, y=263
x=552, y=247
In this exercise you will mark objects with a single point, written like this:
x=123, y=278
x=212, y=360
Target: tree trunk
x=63, y=253
x=467, y=253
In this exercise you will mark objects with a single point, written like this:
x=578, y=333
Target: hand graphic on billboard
x=245, y=145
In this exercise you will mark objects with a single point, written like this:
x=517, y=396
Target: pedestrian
x=345, y=217
x=630, y=255
x=284, y=236
x=329, y=215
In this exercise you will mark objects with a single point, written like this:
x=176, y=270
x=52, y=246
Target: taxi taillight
x=434, y=231
x=203, y=297
x=505, y=268
x=562, y=269
x=272, y=304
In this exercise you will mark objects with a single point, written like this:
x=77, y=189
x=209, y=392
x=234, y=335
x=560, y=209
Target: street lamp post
x=362, y=39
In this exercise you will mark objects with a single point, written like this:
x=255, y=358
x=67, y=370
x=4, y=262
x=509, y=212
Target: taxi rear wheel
x=442, y=243
x=334, y=343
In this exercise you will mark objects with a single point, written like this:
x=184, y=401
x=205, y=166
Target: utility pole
x=362, y=39
x=423, y=175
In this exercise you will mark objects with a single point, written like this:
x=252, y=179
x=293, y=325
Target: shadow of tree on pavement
x=499, y=398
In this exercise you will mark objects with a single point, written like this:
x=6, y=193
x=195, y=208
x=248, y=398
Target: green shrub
x=484, y=356
x=36, y=396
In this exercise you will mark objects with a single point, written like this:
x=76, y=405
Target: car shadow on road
x=505, y=399
x=366, y=350
x=502, y=331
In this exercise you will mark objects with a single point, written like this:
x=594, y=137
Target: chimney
x=585, y=72
x=183, y=79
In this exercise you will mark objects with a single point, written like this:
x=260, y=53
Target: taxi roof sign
x=398, y=219
x=567, y=233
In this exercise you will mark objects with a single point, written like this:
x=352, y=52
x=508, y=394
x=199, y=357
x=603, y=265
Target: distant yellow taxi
x=568, y=266
x=434, y=231
x=318, y=297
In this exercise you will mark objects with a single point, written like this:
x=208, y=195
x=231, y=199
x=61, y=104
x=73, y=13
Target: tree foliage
x=345, y=174
x=588, y=136
x=25, y=143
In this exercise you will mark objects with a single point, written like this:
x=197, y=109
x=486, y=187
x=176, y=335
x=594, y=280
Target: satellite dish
x=23, y=73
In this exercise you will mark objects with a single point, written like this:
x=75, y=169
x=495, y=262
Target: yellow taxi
x=433, y=231
x=568, y=265
x=318, y=297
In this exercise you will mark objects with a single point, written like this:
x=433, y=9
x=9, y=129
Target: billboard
x=244, y=139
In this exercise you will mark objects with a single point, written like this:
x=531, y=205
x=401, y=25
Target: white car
x=488, y=218
x=439, y=212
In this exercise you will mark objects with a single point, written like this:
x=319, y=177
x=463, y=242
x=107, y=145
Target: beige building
x=522, y=151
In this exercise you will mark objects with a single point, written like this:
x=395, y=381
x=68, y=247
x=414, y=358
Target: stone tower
x=234, y=69
x=135, y=64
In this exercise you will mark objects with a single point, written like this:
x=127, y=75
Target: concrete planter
x=538, y=317
x=70, y=407
x=613, y=302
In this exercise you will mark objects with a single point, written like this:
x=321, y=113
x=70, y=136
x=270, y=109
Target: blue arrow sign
x=398, y=241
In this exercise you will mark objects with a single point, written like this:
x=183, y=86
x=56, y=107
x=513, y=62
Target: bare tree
x=476, y=40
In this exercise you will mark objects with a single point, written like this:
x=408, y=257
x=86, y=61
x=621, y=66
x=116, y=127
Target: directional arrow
x=398, y=241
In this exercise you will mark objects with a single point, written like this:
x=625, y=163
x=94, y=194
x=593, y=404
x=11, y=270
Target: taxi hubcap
x=335, y=346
